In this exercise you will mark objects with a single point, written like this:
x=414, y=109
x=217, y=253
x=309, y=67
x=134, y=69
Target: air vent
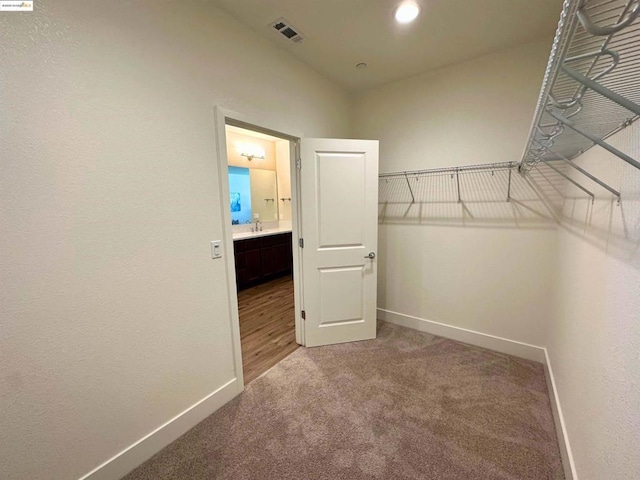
x=285, y=28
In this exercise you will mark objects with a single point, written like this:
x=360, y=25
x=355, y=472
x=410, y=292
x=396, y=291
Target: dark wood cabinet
x=262, y=259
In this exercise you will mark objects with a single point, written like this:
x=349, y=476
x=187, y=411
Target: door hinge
x=301, y=242
x=299, y=163
x=304, y=315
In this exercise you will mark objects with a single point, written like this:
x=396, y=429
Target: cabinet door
x=239, y=259
x=280, y=264
x=268, y=265
x=253, y=267
x=240, y=267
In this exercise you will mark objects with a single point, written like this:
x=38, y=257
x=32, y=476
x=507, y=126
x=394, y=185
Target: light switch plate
x=216, y=249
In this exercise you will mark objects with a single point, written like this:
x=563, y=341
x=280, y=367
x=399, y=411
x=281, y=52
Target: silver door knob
x=371, y=255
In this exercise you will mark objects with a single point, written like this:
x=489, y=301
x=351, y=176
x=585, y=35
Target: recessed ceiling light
x=407, y=12
x=361, y=66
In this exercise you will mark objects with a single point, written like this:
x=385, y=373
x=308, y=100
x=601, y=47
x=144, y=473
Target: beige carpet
x=406, y=405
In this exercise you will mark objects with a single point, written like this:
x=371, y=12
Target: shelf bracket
x=413, y=198
x=596, y=140
x=585, y=173
x=571, y=180
x=509, y=187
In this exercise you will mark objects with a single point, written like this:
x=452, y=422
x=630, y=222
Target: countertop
x=263, y=233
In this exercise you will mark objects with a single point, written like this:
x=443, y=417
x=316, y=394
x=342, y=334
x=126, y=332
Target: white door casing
x=339, y=197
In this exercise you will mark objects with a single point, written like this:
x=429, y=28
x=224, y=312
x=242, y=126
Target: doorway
x=261, y=192
x=333, y=261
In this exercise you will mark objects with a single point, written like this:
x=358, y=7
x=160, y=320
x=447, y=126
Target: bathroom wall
x=276, y=160
x=234, y=139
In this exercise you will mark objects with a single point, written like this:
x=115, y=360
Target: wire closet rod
x=483, y=167
x=450, y=170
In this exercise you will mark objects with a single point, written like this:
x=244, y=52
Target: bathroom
x=261, y=216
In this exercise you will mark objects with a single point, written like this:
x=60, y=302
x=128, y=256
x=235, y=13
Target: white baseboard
x=502, y=345
x=134, y=455
x=497, y=344
x=561, y=429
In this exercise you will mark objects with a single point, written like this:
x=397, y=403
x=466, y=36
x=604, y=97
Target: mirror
x=264, y=195
x=253, y=195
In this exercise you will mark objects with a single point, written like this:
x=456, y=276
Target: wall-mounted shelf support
x=418, y=192
x=571, y=180
x=413, y=198
x=596, y=140
x=586, y=174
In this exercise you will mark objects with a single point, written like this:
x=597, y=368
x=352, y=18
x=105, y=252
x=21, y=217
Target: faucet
x=258, y=227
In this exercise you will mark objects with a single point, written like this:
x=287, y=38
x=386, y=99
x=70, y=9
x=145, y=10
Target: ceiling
x=338, y=34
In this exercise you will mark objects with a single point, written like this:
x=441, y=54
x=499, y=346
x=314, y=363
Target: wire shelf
x=590, y=90
x=451, y=184
x=591, y=87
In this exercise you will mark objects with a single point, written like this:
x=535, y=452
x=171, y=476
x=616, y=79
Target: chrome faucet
x=258, y=227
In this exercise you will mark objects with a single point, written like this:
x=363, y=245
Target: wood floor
x=267, y=325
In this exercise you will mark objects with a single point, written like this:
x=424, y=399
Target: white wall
x=113, y=316
x=478, y=111
x=594, y=340
x=485, y=266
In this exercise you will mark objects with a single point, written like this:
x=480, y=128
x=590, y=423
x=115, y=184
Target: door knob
x=371, y=255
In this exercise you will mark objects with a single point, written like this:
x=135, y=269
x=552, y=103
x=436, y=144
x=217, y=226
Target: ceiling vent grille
x=285, y=28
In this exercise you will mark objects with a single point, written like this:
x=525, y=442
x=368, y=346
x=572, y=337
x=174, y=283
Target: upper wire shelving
x=590, y=90
x=591, y=87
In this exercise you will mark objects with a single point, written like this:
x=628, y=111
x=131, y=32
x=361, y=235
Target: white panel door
x=338, y=199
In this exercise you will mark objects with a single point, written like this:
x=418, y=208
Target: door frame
x=222, y=118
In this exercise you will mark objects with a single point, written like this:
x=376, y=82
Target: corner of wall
x=564, y=445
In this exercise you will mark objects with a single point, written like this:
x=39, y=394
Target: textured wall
x=113, y=316
x=473, y=112
x=485, y=264
x=594, y=340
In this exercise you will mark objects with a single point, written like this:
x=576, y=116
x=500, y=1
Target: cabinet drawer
x=248, y=244
x=274, y=239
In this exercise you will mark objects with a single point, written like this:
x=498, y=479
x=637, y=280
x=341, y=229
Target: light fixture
x=407, y=11
x=250, y=151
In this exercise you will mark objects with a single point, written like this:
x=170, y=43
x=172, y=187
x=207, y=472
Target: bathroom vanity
x=262, y=256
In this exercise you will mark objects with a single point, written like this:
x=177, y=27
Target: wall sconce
x=250, y=151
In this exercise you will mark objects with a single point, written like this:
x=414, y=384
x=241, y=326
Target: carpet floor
x=406, y=405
